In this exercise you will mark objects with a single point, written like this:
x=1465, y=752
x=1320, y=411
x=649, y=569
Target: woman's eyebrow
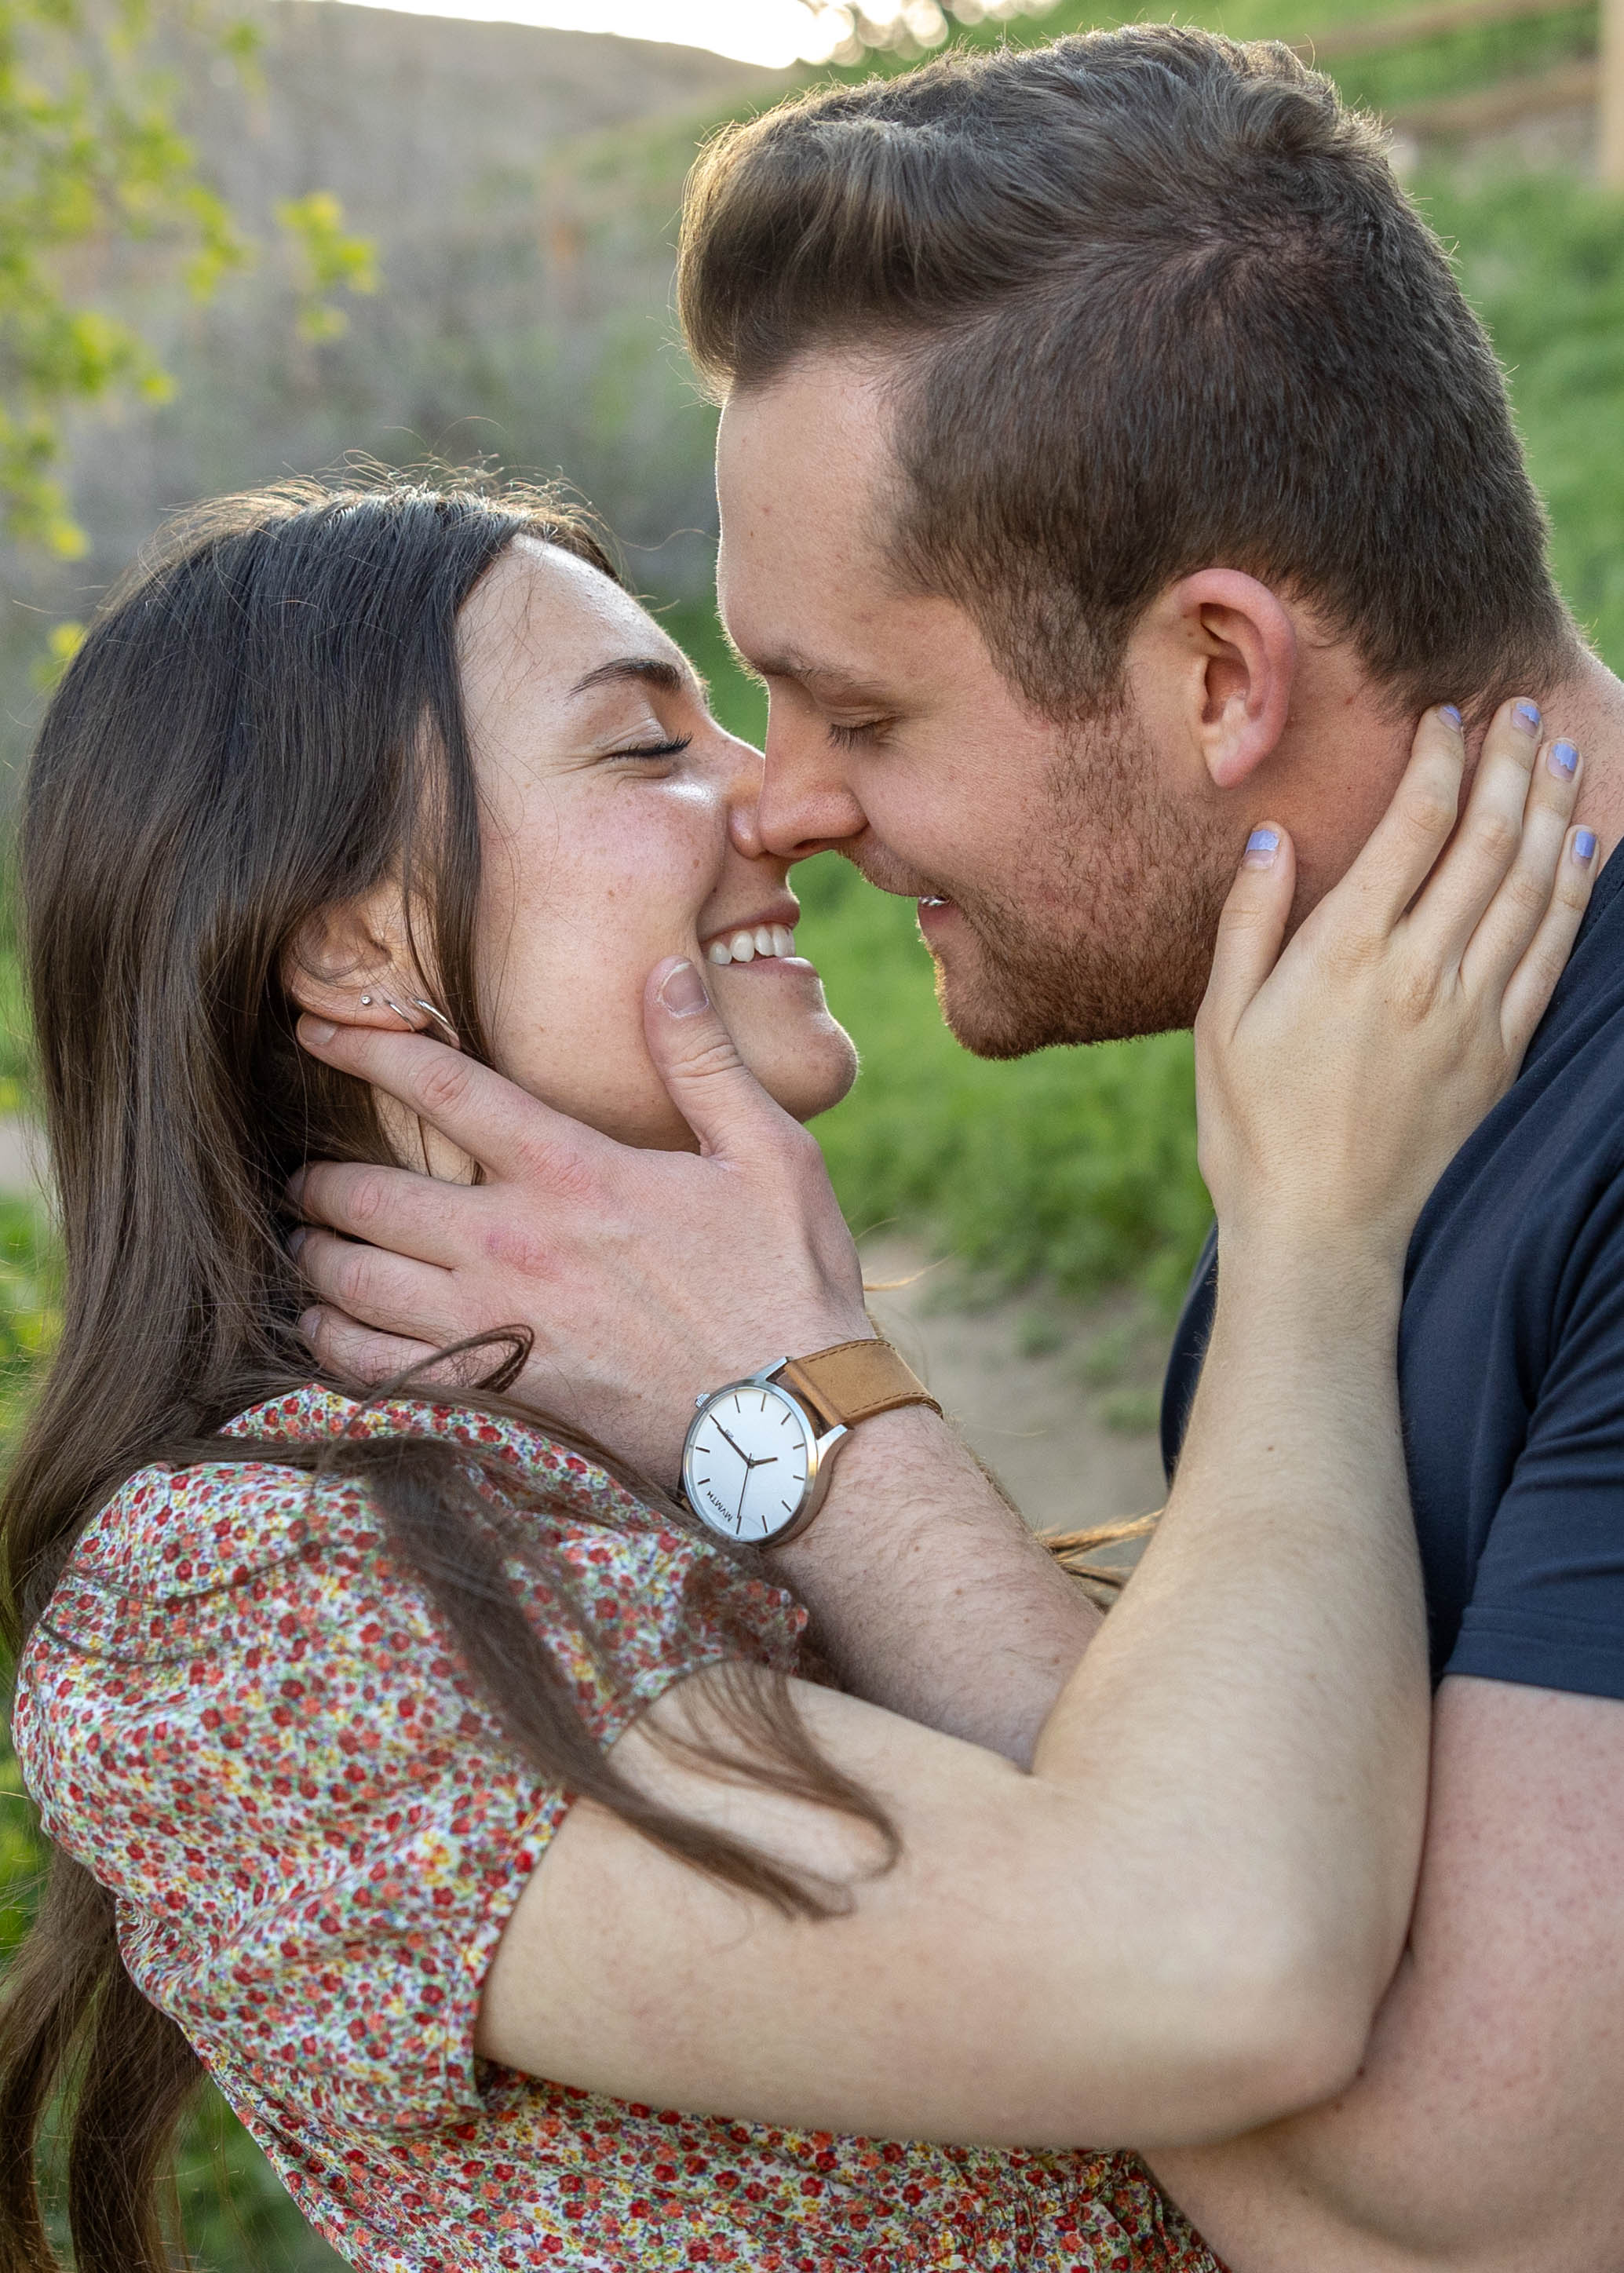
x=650, y=670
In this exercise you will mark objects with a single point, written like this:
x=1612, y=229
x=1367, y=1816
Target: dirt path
x=1061, y=1402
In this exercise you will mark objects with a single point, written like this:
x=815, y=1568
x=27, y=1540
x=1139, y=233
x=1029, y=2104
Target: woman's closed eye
x=671, y=748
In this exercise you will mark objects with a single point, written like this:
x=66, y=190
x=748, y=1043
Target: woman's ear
x=351, y=964
x=1240, y=646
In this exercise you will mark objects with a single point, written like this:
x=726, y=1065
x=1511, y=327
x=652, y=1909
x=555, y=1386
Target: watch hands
x=750, y=1466
x=770, y=1461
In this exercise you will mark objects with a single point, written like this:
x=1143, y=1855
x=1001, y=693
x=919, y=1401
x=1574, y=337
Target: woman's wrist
x=1328, y=1275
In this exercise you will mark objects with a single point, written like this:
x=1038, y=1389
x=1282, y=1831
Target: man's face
x=1069, y=876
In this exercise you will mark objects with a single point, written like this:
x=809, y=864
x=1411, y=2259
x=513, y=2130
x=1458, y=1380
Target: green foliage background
x=1075, y=1166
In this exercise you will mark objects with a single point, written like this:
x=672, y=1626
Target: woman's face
x=619, y=827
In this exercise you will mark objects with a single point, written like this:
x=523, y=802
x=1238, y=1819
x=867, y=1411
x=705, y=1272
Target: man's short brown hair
x=1156, y=302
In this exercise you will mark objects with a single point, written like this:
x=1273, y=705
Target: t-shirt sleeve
x=272, y=1754
x=1547, y=1602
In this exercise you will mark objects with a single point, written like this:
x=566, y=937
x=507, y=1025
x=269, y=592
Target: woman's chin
x=808, y=1079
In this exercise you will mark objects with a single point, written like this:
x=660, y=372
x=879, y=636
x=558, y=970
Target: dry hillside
x=521, y=188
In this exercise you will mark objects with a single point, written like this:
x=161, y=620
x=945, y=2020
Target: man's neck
x=1588, y=708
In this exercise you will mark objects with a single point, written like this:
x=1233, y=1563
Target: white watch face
x=747, y=1459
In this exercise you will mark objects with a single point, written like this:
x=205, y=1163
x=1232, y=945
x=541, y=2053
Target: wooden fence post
x=1610, y=119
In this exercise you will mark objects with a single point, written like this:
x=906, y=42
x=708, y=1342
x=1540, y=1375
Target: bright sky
x=775, y=32
x=772, y=31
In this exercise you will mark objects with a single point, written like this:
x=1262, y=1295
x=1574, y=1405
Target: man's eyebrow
x=647, y=670
x=807, y=670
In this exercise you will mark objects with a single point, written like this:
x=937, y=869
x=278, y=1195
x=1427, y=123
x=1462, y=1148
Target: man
x=1109, y=462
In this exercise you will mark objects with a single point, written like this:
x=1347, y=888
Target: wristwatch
x=756, y=1461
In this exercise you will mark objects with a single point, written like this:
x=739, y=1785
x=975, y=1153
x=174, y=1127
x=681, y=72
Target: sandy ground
x=1059, y=1401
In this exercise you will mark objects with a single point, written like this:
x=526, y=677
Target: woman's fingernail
x=1448, y=710
x=296, y=1238
x=1563, y=759
x=684, y=991
x=1584, y=846
x=1261, y=847
x=317, y=1029
x=310, y=1324
x=1526, y=715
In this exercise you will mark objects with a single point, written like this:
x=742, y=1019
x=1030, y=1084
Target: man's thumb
x=694, y=1053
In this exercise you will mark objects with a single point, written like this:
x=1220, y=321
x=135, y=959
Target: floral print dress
x=243, y=1718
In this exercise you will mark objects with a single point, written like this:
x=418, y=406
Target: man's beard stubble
x=1115, y=937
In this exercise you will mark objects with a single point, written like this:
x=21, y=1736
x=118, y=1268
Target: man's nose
x=741, y=795
x=807, y=803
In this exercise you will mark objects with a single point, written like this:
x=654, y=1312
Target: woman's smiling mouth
x=744, y=946
x=764, y=937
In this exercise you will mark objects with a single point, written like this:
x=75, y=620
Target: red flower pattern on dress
x=250, y=1725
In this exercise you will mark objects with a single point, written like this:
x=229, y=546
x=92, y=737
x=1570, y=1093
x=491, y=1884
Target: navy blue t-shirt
x=1511, y=1353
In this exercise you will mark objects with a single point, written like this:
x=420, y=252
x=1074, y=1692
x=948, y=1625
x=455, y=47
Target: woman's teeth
x=745, y=946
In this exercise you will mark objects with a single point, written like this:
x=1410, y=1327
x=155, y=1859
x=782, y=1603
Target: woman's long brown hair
x=265, y=721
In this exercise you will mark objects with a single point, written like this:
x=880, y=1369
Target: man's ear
x=1238, y=646
x=351, y=964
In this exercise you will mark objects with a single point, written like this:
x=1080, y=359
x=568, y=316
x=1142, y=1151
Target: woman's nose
x=744, y=788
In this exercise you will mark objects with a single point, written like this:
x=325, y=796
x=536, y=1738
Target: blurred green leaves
x=87, y=151
x=91, y=158
x=328, y=260
x=1541, y=256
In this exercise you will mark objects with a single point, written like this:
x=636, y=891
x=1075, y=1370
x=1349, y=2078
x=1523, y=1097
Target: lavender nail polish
x=1261, y=847
x=1584, y=846
x=1448, y=710
x=1563, y=759
x=1526, y=716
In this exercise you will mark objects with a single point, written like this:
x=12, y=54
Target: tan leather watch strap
x=854, y=1381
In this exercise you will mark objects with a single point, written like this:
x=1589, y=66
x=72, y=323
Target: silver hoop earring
x=438, y=1014
x=399, y=1013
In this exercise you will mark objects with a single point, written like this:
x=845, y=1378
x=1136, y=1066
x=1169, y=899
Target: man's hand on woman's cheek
x=644, y=1278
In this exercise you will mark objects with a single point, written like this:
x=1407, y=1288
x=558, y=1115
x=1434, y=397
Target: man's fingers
x=720, y=1100
x=1401, y=851
x=353, y=1353
x=412, y=1215
x=1251, y=928
x=1529, y=994
x=1488, y=843
x=509, y=1132
x=392, y=1293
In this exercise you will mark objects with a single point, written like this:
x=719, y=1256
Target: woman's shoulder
x=171, y=1536
x=234, y=1592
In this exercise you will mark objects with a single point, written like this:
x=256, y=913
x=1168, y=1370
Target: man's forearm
x=929, y=1595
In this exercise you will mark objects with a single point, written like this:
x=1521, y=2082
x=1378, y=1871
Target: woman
x=436, y=1780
